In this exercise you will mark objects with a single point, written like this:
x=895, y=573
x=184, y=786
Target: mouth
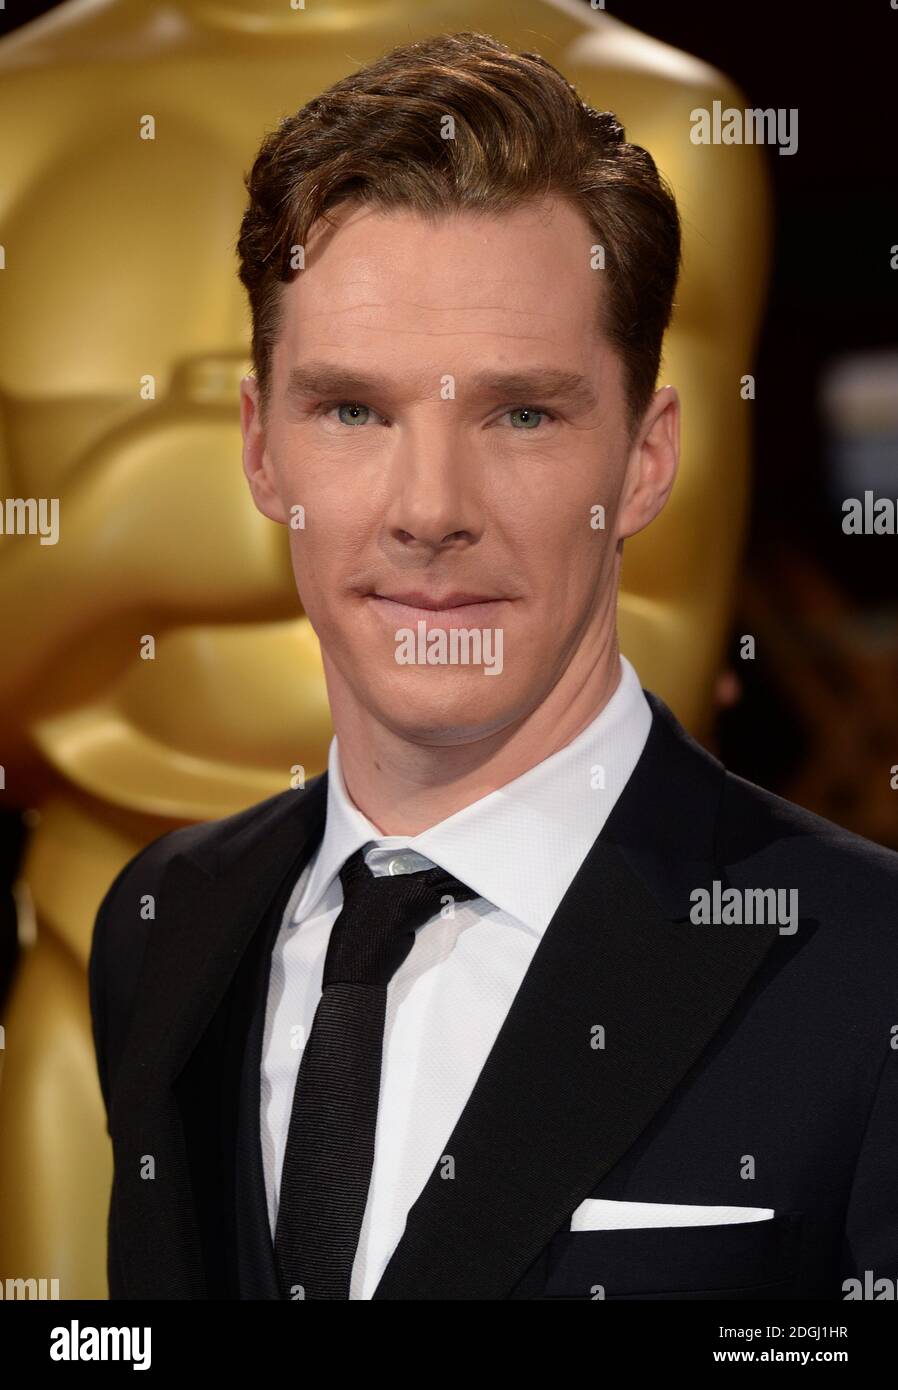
x=456, y=609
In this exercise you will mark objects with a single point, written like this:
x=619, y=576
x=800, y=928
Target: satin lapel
x=621, y=997
x=208, y=906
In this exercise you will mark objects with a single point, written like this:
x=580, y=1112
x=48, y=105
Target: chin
x=455, y=710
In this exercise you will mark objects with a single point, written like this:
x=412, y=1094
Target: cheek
x=583, y=583
x=312, y=572
x=566, y=552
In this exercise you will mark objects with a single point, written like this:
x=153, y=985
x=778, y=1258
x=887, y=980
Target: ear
x=652, y=466
x=257, y=463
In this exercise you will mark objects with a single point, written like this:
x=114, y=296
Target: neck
x=404, y=787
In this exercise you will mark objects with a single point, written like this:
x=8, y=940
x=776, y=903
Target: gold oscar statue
x=125, y=333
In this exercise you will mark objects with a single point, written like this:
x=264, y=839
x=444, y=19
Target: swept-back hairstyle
x=518, y=131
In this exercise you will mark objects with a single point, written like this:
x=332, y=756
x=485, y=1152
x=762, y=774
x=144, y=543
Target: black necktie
x=330, y=1142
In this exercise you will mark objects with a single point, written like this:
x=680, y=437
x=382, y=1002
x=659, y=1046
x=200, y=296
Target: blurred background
x=815, y=716
x=99, y=759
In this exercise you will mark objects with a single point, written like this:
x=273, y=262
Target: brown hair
x=521, y=131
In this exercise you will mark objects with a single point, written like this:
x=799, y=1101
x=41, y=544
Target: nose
x=435, y=500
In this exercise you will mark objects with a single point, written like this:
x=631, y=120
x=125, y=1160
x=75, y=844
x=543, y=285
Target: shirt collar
x=521, y=845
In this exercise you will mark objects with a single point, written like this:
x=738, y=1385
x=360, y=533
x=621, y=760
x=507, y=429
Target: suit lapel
x=210, y=903
x=558, y=1102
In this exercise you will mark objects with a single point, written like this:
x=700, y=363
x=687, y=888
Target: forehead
x=523, y=276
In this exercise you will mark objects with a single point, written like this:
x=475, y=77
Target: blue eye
x=353, y=410
x=529, y=415
x=353, y=415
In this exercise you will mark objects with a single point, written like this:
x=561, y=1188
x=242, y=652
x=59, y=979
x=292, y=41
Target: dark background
x=832, y=292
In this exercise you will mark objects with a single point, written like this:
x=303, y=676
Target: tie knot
x=375, y=929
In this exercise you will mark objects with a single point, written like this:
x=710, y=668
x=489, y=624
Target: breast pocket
x=751, y=1259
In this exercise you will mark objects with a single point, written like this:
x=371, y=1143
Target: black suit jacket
x=741, y=1066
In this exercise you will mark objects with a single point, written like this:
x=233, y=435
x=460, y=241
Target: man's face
x=449, y=419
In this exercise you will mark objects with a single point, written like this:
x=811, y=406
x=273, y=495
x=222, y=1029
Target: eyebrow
x=530, y=385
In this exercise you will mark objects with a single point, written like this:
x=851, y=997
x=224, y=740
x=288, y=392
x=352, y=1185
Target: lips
x=456, y=599
x=458, y=609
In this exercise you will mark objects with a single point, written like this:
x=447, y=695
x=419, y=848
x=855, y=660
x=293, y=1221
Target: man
x=526, y=997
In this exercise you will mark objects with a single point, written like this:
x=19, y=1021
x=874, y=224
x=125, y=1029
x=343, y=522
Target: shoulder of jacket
x=753, y=818
x=203, y=839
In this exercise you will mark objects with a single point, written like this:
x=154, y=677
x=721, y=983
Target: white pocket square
x=599, y=1214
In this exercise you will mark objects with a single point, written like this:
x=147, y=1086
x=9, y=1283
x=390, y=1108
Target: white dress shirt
x=519, y=847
